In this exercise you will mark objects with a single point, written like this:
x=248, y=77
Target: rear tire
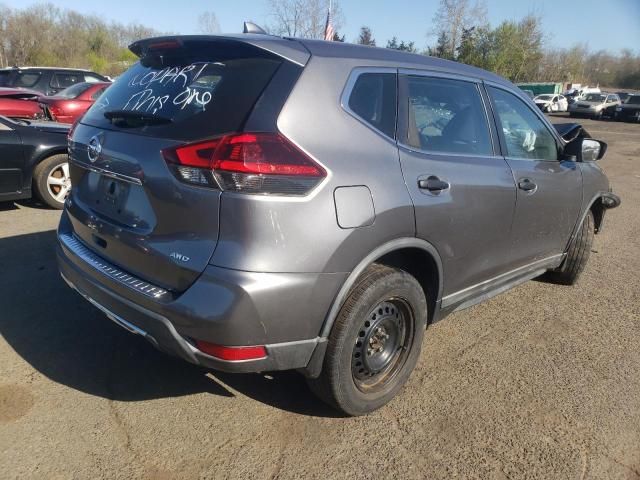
x=375, y=342
x=577, y=255
x=51, y=180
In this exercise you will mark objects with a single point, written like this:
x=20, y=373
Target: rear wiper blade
x=133, y=118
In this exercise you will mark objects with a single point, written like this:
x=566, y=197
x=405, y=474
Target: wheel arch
x=42, y=155
x=409, y=254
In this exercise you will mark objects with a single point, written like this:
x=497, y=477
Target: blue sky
x=601, y=24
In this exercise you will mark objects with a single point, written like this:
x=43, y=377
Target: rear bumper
x=283, y=312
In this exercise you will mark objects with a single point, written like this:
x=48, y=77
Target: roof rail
x=250, y=27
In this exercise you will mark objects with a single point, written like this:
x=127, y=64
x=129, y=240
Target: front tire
x=51, y=180
x=375, y=342
x=577, y=254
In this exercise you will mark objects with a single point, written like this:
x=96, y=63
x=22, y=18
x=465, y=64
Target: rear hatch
x=127, y=205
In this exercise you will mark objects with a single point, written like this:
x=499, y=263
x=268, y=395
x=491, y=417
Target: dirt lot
x=540, y=382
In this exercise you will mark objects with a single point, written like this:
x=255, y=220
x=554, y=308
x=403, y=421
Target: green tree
x=402, y=45
x=366, y=37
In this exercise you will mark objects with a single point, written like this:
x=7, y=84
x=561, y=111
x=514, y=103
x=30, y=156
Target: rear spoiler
x=289, y=49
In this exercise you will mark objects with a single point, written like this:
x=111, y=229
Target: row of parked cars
x=622, y=106
x=58, y=94
x=37, y=107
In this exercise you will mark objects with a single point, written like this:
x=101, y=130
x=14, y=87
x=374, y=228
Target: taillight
x=258, y=163
x=71, y=130
x=255, y=352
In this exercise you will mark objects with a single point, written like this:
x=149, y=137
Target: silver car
x=596, y=105
x=253, y=203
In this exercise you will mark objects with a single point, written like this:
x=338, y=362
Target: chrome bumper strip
x=107, y=173
x=77, y=248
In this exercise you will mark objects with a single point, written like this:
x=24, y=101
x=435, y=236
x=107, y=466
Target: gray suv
x=253, y=203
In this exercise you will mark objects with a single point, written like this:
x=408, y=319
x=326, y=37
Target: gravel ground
x=540, y=382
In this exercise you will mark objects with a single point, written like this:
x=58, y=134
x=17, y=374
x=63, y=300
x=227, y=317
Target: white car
x=551, y=103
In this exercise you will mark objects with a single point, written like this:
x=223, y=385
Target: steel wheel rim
x=59, y=182
x=382, y=344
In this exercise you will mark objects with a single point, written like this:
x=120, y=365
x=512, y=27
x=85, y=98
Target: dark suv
x=253, y=203
x=48, y=80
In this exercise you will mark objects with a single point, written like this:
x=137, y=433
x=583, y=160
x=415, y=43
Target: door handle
x=527, y=185
x=433, y=184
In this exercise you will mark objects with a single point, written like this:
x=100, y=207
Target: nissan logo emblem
x=94, y=149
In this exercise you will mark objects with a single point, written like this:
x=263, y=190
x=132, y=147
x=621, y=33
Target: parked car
x=624, y=96
x=69, y=104
x=574, y=95
x=33, y=160
x=47, y=80
x=551, y=103
x=629, y=111
x=596, y=105
x=20, y=103
x=212, y=215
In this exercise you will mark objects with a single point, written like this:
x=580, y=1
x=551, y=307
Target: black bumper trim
x=161, y=333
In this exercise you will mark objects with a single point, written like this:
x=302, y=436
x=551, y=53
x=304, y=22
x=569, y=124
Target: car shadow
x=8, y=205
x=70, y=342
x=28, y=202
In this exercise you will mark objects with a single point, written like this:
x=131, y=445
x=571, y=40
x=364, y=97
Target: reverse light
x=255, y=352
x=257, y=163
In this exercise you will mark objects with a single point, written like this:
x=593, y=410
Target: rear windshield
x=192, y=94
x=74, y=90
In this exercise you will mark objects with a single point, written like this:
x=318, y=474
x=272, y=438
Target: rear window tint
x=196, y=95
x=373, y=99
x=447, y=116
x=26, y=79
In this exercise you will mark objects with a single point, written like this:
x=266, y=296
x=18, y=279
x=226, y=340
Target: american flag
x=329, y=31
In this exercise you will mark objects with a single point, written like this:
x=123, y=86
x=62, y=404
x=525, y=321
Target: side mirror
x=585, y=149
x=592, y=150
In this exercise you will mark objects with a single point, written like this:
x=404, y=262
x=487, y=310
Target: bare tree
x=208, y=23
x=303, y=18
x=455, y=16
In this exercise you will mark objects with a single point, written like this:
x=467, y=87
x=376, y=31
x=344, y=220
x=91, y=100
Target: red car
x=69, y=104
x=20, y=103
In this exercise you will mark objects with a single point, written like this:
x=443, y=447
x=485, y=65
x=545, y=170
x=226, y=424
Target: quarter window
x=373, y=99
x=525, y=135
x=446, y=116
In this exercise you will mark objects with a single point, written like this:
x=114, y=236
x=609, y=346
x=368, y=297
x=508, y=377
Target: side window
x=92, y=78
x=526, y=136
x=27, y=79
x=97, y=93
x=373, y=99
x=446, y=116
x=64, y=80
